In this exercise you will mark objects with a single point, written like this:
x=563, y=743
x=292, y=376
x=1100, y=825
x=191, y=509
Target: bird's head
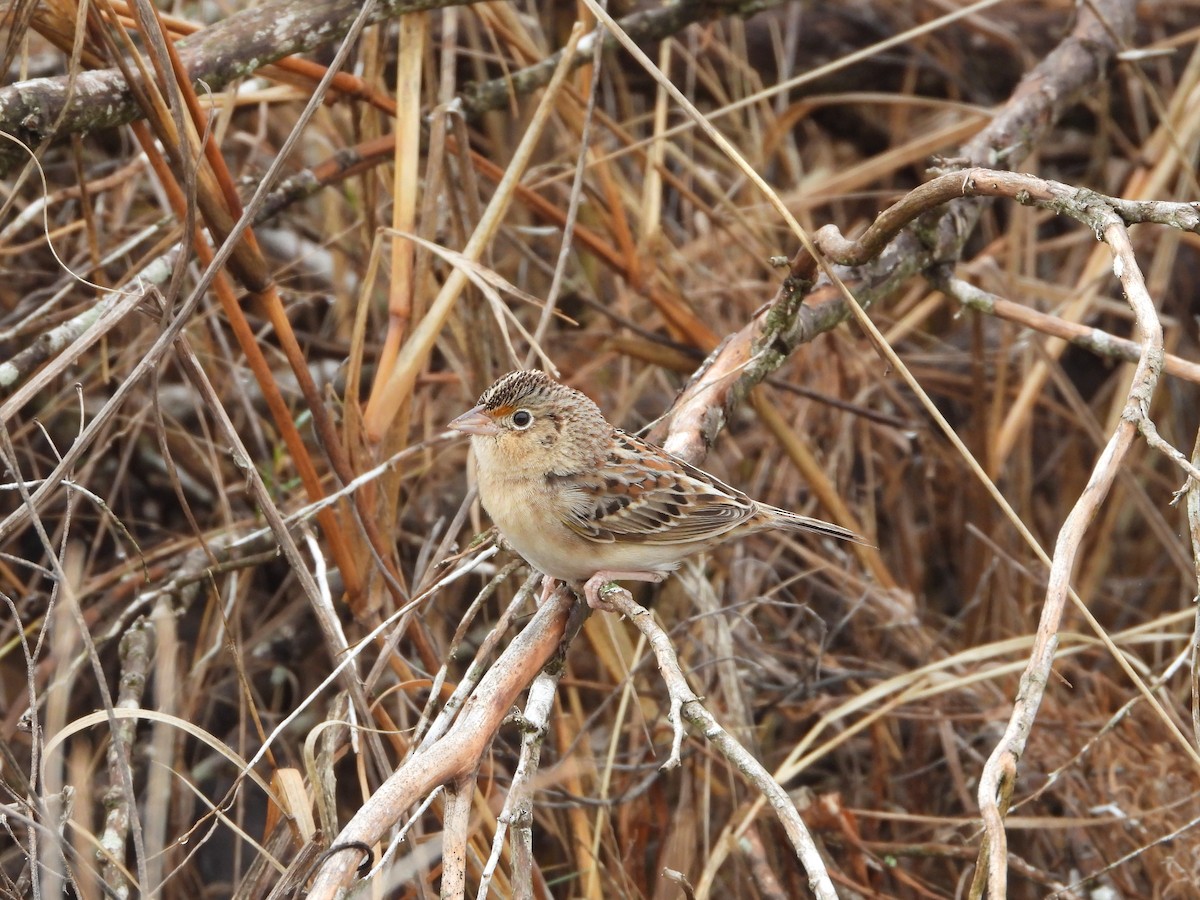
x=528, y=422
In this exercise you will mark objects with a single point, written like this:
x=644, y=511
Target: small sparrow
x=583, y=501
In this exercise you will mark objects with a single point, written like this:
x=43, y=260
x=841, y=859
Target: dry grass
x=145, y=563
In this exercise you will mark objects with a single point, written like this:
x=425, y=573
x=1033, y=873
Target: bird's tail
x=806, y=523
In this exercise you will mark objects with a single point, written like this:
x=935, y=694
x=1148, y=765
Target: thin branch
x=46, y=109
x=685, y=705
x=998, y=775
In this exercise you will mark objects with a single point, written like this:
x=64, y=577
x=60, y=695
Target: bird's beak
x=475, y=421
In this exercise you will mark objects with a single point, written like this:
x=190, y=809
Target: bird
x=585, y=502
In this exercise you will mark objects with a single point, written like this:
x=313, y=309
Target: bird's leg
x=549, y=585
x=591, y=590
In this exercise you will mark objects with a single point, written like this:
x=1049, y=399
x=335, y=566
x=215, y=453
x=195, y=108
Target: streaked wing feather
x=644, y=496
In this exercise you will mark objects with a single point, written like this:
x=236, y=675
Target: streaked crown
x=519, y=388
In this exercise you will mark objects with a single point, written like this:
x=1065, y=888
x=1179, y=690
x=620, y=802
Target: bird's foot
x=591, y=590
x=549, y=586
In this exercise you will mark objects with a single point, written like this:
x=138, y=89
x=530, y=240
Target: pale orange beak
x=475, y=421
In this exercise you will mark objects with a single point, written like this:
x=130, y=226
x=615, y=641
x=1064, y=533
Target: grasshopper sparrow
x=583, y=501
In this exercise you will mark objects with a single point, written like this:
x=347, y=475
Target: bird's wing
x=641, y=494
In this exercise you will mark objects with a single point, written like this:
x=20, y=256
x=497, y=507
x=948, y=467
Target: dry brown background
x=874, y=682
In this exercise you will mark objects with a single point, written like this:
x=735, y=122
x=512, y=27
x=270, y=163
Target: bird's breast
x=527, y=515
x=531, y=513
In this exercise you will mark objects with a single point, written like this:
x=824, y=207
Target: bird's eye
x=522, y=419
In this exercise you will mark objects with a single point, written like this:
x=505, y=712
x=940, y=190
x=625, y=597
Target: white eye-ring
x=522, y=419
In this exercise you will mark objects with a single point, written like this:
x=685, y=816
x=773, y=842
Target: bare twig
x=518, y=805
x=244, y=42
x=786, y=322
x=455, y=823
x=457, y=753
x=137, y=650
x=1094, y=340
x=685, y=705
x=998, y=775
